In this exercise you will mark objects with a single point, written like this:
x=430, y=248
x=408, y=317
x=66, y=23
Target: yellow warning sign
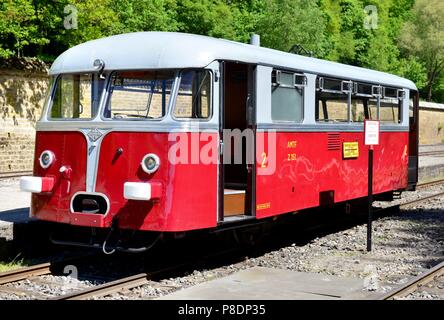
x=350, y=149
x=263, y=206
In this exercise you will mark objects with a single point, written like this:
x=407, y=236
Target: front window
x=139, y=94
x=76, y=96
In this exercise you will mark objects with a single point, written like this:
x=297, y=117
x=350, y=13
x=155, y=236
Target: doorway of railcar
x=413, y=138
x=238, y=132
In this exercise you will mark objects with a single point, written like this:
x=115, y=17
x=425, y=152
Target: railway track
x=429, y=184
x=33, y=274
x=412, y=202
x=431, y=153
x=25, y=273
x=149, y=278
x=416, y=283
x=146, y=278
x=8, y=175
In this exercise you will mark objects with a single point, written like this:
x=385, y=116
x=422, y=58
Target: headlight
x=150, y=163
x=46, y=159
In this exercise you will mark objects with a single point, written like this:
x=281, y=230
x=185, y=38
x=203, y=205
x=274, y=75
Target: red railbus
x=169, y=132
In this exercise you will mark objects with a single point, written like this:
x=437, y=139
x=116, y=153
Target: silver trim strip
x=328, y=128
x=191, y=127
x=92, y=159
x=130, y=127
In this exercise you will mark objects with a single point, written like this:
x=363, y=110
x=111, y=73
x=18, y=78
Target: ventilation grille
x=334, y=141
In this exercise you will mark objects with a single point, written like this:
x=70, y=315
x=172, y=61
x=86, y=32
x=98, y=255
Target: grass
x=11, y=265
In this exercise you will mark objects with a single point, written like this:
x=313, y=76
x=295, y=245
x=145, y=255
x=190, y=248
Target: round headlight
x=46, y=159
x=150, y=163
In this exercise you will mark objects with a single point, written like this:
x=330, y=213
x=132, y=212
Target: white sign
x=371, y=132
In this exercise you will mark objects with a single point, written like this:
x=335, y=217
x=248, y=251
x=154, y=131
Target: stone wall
x=22, y=94
x=431, y=123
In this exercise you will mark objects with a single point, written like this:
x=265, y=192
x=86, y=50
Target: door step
x=234, y=203
x=237, y=218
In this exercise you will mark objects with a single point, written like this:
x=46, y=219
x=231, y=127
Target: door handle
x=249, y=110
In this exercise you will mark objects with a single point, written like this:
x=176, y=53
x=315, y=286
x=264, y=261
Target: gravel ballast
x=404, y=246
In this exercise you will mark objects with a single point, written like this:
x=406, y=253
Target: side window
x=364, y=105
x=373, y=109
x=332, y=100
x=368, y=101
x=73, y=97
x=194, y=97
x=358, y=110
x=390, y=107
x=287, y=96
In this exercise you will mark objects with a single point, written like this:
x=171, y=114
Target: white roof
x=164, y=50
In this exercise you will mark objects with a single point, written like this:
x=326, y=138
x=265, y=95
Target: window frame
x=296, y=85
x=176, y=94
x=346, y=92
x=377, y=92
x=108, y=96
x=53, y=90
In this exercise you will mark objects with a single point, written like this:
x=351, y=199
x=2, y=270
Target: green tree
x=347, y=38
x=289, y=22
x=142, y=15
x=49, y=21
x=246, y=15
x=18, y=28
x=423, y=38
x=207, y=17
x=95, y=19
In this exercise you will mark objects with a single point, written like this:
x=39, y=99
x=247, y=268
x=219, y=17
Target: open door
x=237, y=130
x=413, y=140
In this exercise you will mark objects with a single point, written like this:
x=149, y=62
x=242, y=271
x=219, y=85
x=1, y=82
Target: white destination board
x=371, y=129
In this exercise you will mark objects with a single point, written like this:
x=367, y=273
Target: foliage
x=407, y=39
x=289, y=22
x=423, y=37
x=18, y=27
x=140, y=15
x=15, y=263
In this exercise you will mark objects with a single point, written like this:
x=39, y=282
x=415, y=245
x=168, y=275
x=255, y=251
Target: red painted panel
x=69, y=149
x=188, y=199
x=305, y=167
x=189, y=195
x=307, y=164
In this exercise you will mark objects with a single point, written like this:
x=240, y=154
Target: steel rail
x=137, y=280
x=38, y=269
x=431, y=153
x=415, y=283
x=8, y=175
x=412, y=202
x=430, y=183
x=108, y=288
x=25, y=273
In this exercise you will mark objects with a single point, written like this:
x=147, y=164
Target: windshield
x=76, y=96
x=139, y=94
